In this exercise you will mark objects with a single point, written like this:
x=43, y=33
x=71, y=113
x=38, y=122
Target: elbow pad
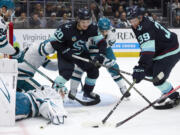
x=46, y=48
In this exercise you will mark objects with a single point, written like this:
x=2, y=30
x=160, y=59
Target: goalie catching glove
x=19, y=55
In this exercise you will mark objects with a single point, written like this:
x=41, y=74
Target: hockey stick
x=145, y=108
x=147, y=100
x=97, y=125
x=159, y=77
x=37, y=70
x=110, y=113
x=127, y=73
x=117, y=70
x=48, y=78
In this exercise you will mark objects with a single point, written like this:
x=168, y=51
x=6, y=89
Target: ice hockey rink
x=149, y=122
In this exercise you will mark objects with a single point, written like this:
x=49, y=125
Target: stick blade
x=93, y=124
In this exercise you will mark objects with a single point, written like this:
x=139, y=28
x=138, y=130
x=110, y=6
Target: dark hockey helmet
x=133, y=12
x=84, y=14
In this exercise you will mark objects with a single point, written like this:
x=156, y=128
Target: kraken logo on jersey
x=80, y=46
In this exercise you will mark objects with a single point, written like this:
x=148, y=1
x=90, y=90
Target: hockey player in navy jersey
x=109, y=34
x=160, y=51
x=70, y=39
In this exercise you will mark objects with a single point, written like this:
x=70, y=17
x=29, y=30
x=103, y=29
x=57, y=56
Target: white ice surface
x=149, y=122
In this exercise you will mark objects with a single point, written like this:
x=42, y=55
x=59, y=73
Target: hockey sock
x=88, y=88
x=165, y=87
x=116, y=77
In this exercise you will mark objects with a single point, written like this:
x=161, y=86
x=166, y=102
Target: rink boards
x=126, y=44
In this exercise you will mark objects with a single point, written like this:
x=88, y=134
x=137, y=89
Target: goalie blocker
x=8, y=81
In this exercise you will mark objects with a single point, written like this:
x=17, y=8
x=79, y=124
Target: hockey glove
x=49, y=103
x=98, y=60
x=19, y=55
x=53, y=110
x=109, y=62
x=67, y=54
x=138, y=73
x=59, y=85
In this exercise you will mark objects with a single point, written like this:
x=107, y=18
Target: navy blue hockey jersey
x=68, y=37
x=156, y=42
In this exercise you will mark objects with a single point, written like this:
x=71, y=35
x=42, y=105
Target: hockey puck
x=96, y=126
x=41, y=127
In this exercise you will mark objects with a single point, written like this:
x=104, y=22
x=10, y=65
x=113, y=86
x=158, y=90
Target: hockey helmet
x=104, y=24
x=133, y=12
x=84, y=14
x=3, y=27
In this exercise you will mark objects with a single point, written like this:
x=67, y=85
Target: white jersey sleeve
x=111, y=37
x=5, y=46
x=34, y=58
